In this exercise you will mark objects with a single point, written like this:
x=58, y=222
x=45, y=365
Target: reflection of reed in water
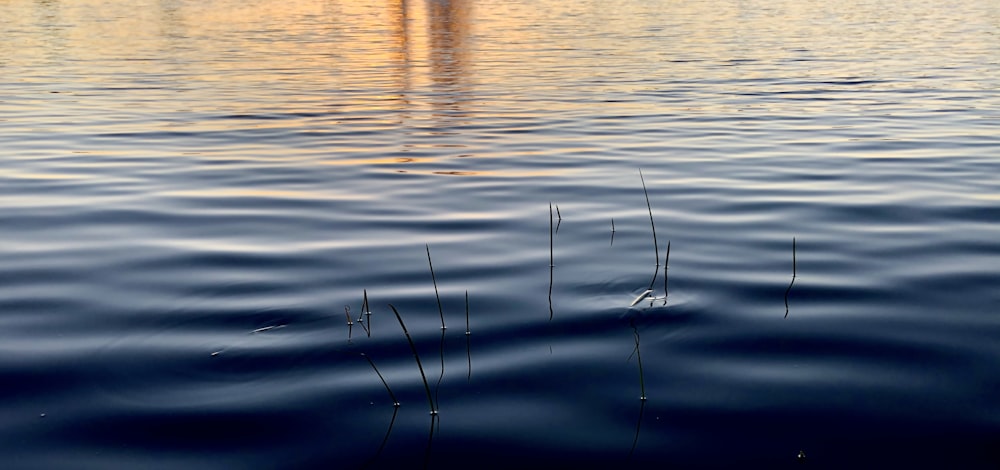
x=638, y=425
x=638, y=357
x=435, y=420
x=395, y=411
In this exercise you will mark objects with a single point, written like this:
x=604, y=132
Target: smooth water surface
x=193, y=192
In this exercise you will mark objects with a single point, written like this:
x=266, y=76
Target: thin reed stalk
x=366, y=309
x=612, y=231
x=395, y=402
x=361, y=318
x=794, y=275
x=468, y=357
x=467, y=330
x=552, y=262
x=666, y=274
x=350, y=321
x=794, y=268
x=656, y=246
x=552, y=259
x=413, y=347
x=434, y=279
x=437, y=388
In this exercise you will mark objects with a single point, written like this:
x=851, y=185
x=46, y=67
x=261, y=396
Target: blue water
x=193, y=192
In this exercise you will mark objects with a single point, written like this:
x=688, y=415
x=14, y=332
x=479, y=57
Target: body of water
x=192, y=194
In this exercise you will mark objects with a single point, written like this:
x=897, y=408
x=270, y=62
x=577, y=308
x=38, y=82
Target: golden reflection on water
x=434, y=57
x=427, y=68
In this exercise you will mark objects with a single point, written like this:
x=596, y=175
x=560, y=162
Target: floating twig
x=641, y=296
x=258, y=330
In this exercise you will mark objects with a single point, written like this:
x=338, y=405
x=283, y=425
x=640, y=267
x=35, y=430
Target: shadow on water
x=638, y=426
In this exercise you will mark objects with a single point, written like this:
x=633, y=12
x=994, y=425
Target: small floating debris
x=267, y=328
x=641, y=297
x=258, y=330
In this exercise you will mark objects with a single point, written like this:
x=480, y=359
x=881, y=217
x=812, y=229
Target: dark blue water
x=194, y=192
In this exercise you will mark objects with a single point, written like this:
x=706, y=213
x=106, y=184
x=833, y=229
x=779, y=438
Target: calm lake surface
x=192, y=192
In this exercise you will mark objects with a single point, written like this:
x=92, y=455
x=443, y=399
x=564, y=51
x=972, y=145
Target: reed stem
x=434, y=279
x=794, y=275
x=666, y=273
x=413, y=347
x=656, y=246
x=395, y=402
x=350, y=321
x=794, y=269
x=552, y=261
x=437, y=388
x=366, y=309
